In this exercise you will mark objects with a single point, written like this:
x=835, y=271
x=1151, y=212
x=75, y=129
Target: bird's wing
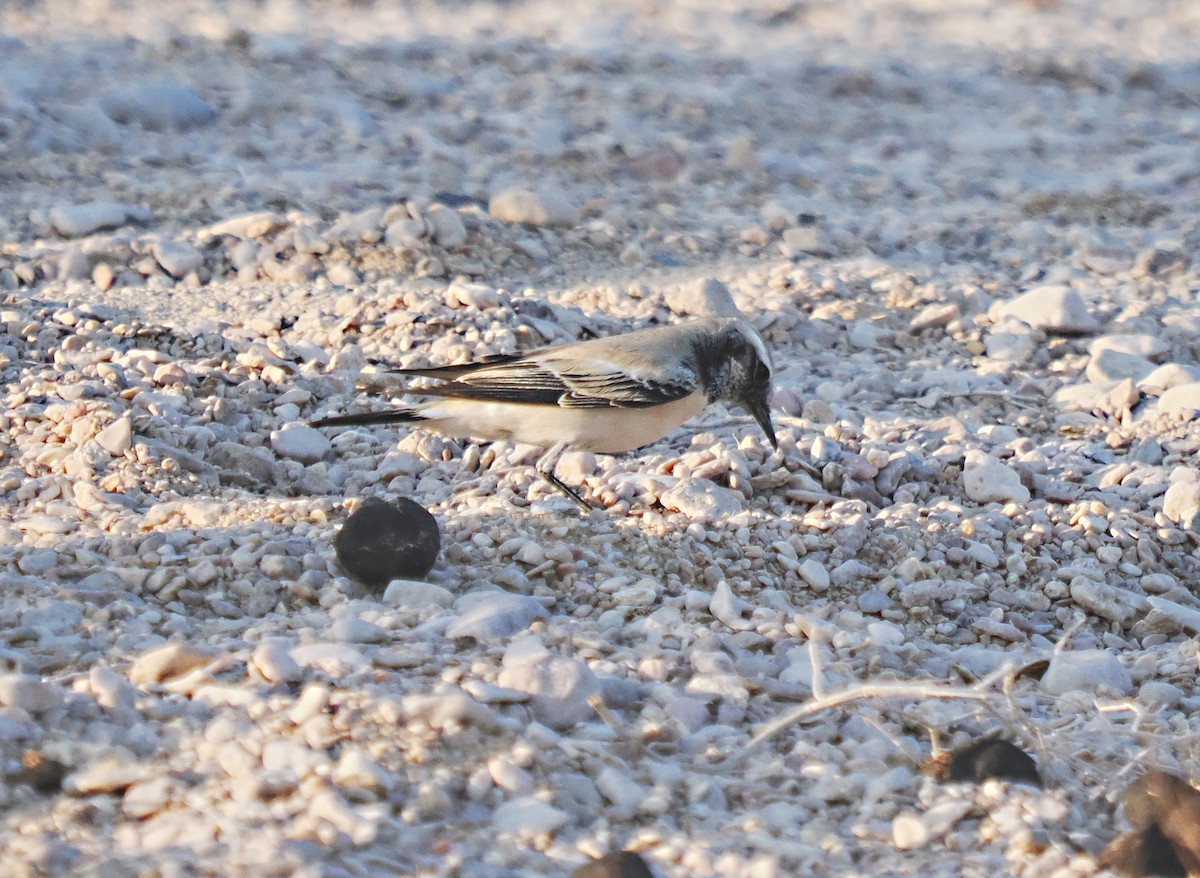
x=448, y=373
x=547, y=378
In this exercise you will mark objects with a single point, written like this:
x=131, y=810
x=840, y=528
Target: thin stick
x=867, y=690
x=978, y=692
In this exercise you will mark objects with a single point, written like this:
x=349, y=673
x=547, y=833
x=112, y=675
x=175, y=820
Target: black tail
x=391, y=416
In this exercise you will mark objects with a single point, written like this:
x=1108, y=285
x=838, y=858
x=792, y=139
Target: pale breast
x=605, y=431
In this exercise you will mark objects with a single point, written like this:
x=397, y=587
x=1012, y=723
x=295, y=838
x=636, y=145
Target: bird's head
x=736, y=367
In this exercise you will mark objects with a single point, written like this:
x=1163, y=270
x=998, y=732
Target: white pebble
x=275, y=663
x=528, y=817
x=987, y=480
x=532, y=208
x=1054, y=307
x=300, y=442
x=413, y=595
x=29, y=693
x=1087, y=670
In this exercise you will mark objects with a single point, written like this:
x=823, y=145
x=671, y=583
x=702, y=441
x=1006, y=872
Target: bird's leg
x=545, y=468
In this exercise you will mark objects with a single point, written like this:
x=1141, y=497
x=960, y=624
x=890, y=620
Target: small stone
x=341, y=275
x=242, y=466
x=356, y=770
x=383, y=541
x=47, y=524
x=1110, y=365
x=107, y=775
x=117, y=437
x=1055, y=308
x=987, y=759
x=575, y=466
x=727, y=608
x=470, y=295
x=618, y=864
x=1158, y=261
x=414, y=595
x=352, y=629
x=76, y=220
x=447, y=227
x=909, y=831
x=161, y=106
x=1160, y=695
x=561, y=687
x=510, y=777
x=1009, y=347
x=817, y=411
x=29, y=693
x=1087, y=670
x=494, y=616
x=625, y=794
x=874, y=601
x=331, y=808
x=300, y=442
x=1181, y=398
x=1181, y=503
x=148, y=797
x=444, y=708
x=1107, y=601
x=177, y=258
x=338, y=660
x=936, y=314
x=815, y=574
x=39, y=562
x=169, y=662
x=41, y=772
x=258, y=224
x=1182, y=618
x=702, y=500
x=1167, y=376
x=74, y=265
x=706, y=297
x=987, y=480
x=532, y=208
x=529, y=817
x=1144, y=345
x=103, y=276
x=275, y=663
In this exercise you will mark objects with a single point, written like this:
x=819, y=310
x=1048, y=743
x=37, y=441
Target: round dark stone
x=1143, y=853
x=990, y=758
x=41, y=772
x=1171, y=805
x=618, y=864
x=384, y=541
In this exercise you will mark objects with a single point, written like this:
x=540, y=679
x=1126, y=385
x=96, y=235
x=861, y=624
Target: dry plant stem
x=875, y=690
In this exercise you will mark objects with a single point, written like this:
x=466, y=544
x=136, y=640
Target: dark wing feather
x=448, y=373
x=550, y=381
x=623, y=390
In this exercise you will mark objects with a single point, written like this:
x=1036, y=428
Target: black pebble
x=1143, y=853
x=385, y=541
x=991, y=758
x=1160, y=806
x=41, y=772
x=618, y=864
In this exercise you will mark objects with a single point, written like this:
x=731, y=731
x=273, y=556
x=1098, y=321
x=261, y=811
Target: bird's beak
x=762, y=413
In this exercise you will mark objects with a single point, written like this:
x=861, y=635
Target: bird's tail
x=402, y=415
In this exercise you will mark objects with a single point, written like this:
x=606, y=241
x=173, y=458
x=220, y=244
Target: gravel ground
x=965, y=229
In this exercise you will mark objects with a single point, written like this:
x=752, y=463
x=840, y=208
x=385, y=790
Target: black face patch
x=760, y=373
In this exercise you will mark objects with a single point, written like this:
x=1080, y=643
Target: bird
x=606, y=395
